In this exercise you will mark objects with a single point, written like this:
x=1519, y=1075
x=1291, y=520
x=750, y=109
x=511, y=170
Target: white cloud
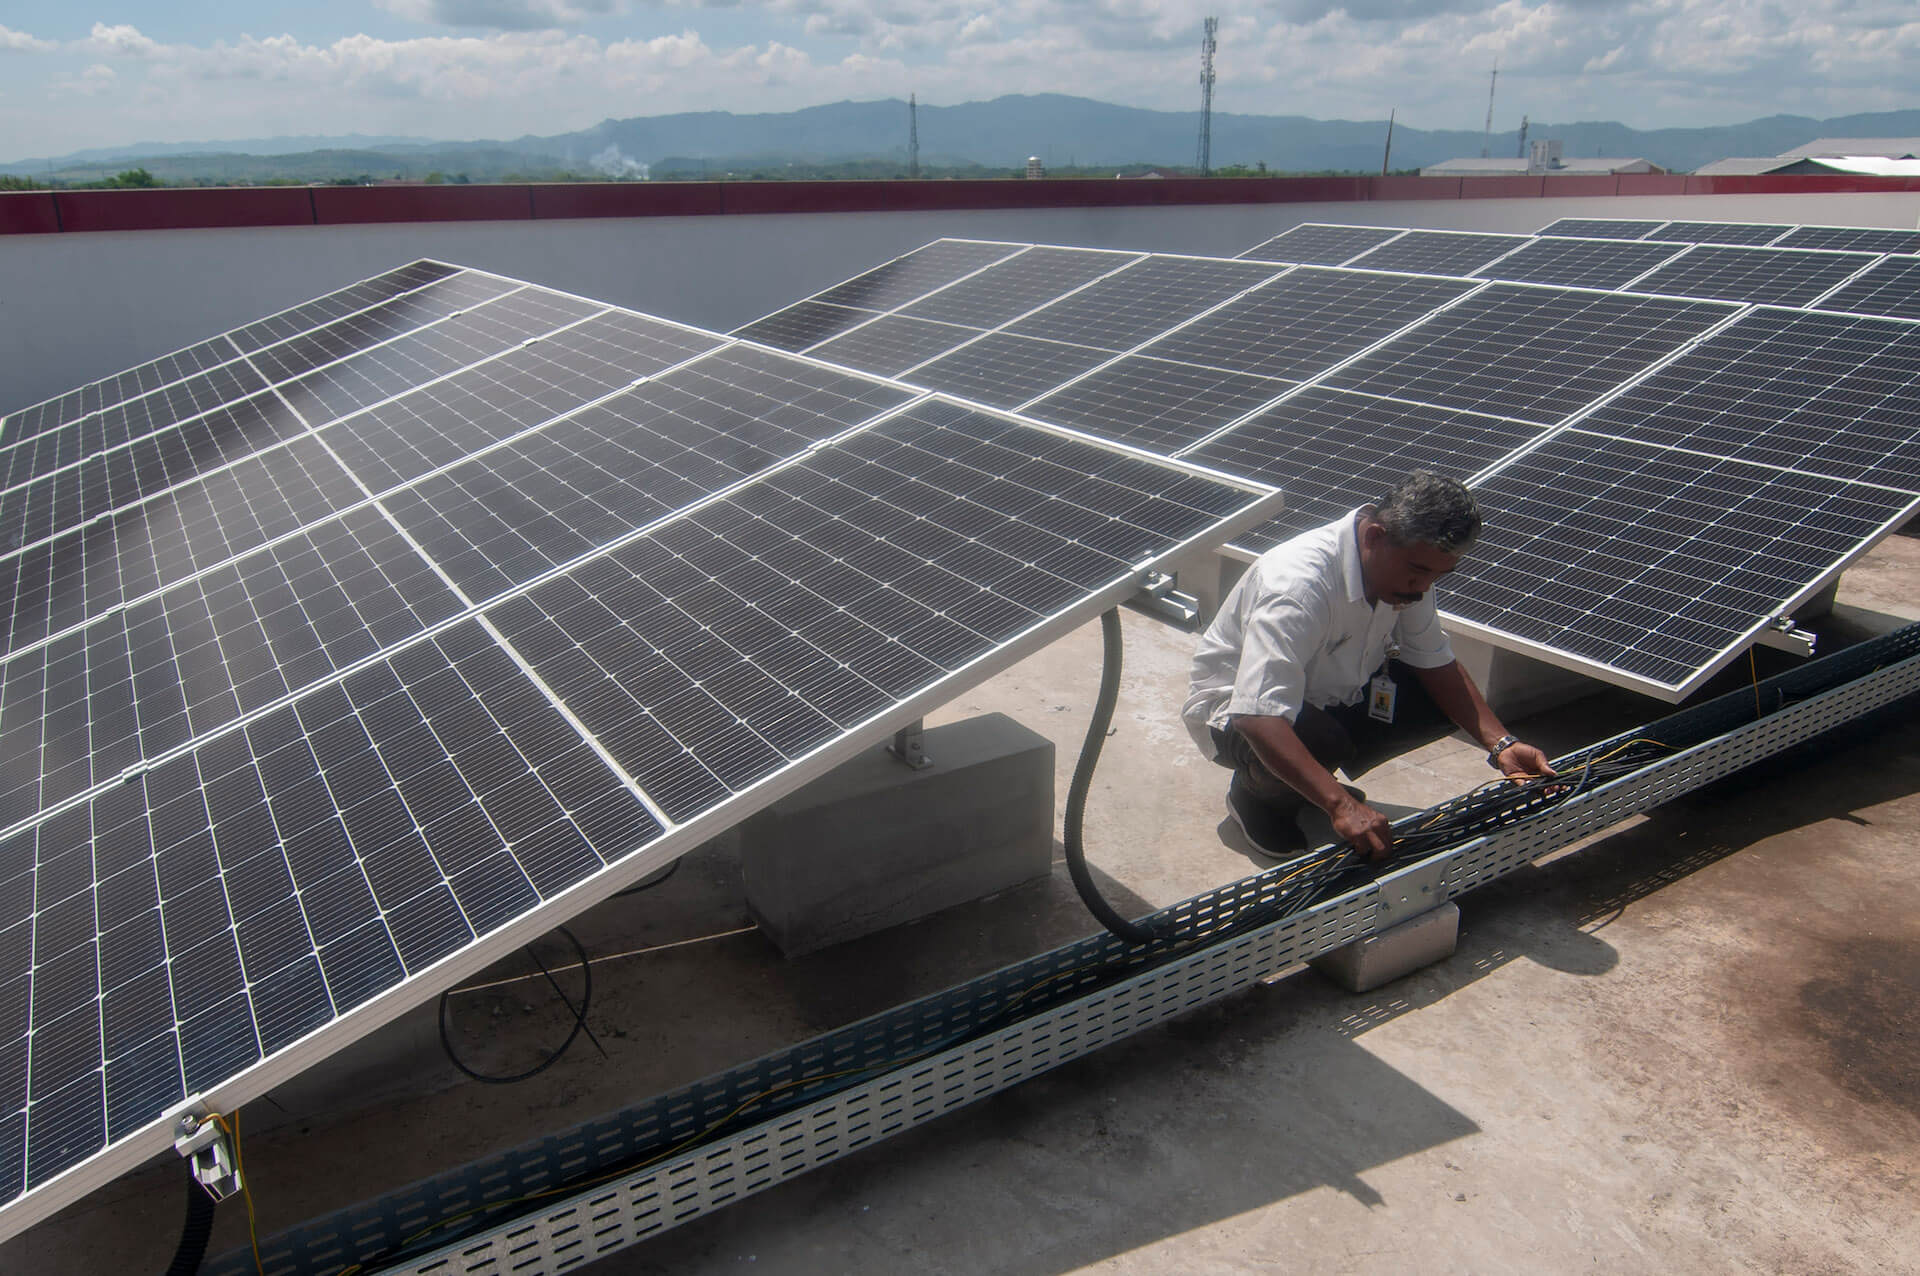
x=12, y=41
x=505, y=15
x=502, y=68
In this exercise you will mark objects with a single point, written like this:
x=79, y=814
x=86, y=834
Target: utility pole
x=913, y=135
x=1388, y=153
x=1486, y=137
x=1204, y=160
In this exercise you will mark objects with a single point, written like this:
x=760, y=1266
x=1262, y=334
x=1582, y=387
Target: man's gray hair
x=1425, y=508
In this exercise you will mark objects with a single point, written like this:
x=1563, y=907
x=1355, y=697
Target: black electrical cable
x=579, y=1020
x=1083, y=780
x=194, y=1232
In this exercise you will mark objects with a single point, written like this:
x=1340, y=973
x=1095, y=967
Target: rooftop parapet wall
x=48, y=212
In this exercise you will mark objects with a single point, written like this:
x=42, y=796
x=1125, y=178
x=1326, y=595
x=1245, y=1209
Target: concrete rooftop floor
x=1689, y=1045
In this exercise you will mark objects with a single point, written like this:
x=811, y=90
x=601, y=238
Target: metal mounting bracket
x=209, y=1153
x=909, y=745
x=1411, y=891
x=1781, y=635
x=1159, y=597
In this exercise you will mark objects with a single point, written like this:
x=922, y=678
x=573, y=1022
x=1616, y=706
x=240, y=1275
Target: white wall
x=78, y=307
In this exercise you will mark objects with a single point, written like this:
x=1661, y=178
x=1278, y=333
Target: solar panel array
x=1475, y=352
x=347, y=650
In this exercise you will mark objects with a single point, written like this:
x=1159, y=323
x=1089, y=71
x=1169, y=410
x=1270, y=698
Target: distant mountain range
x=999, y=134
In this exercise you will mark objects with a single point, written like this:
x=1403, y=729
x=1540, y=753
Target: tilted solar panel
x=1656, y=563
x=1603, y=228
x=499, y=613
x=1315, y=244
x=1764, y=276
x=1438, y=252
x=1851, y=239
x=1579, y=263
x=1889, y=287
x=1718, y=232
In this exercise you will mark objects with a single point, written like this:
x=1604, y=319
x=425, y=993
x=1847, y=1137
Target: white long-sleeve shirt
x=1298, y=629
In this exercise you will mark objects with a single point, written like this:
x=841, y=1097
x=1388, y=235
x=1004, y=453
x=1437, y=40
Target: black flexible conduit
x=1083, y=780
x=194, y=1233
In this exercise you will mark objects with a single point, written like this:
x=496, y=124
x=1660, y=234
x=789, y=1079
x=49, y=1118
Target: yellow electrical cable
x=246, y=1188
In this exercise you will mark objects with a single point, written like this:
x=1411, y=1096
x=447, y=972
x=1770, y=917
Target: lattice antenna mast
x=913, y=135
x=1204, y=160
x=1523, y=137
x=1486, y=136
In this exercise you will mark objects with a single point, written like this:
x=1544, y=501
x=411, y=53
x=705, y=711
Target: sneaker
x=1272, y=831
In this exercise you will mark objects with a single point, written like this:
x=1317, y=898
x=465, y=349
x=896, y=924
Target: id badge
x=1381, y=694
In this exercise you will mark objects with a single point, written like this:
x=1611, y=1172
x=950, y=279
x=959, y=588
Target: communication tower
x=1204, y=160
x=1486, y=137
x=913, y=135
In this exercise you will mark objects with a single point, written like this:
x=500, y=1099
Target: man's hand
x=1361, y=827
x=1521, y=761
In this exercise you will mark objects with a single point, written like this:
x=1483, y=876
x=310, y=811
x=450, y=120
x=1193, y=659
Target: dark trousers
x=1344, y=736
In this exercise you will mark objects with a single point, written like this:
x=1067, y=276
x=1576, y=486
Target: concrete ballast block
x=875, y=843
x=1365, y=964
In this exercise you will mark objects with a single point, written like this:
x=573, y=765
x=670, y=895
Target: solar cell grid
x=1602, y=228
x=1535, y=354
x=1438, y=252
x=168, y=406
x=400, y=366
x=916, y=273
x=177, y=366
x=712, y=651
x=502, y=518
x=335, y=305
x=1153, y=404
x=1125, y=308
x=1305, y=321
x=1718, y=233
x=1329, y=451
x=1766, y=276
x=275, y=878
x=1890, y=287
x=1833, y=394
x=803, y=324
x=1003, y=370
x=1657, y=564
x=1852, y=239
x=1579, y=263
x=1012, y=287
x=1320, y=245
x=893, y=343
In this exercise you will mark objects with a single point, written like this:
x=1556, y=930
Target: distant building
x=1873, y=156
x=1034, y=167
x=1544, y=158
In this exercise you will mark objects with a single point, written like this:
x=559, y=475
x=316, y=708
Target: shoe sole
x=1252, y=842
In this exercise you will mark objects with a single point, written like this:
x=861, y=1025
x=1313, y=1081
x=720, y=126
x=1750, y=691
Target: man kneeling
x=1293, y=678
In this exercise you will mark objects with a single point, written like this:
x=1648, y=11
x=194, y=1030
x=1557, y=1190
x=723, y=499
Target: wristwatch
x=1500, y=746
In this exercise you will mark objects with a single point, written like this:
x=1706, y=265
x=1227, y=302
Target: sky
x=114, y=72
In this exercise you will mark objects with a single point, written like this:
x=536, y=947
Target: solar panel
x=1602, y=228
x=1833, y=394
x=1718, y=233
x=279, y=759
x=1579, y=263
x=1305, y=321
x=1332, y=450
x=1152, y=404
x=803, y=324
x=1765, y=276
x=917, y=273
x=1141, y=301
x=1660, y=565
x=1852, y=239
x=893, y=343
x=1438, y=252
x=1889, y=287
x=1534, y=354
x=1008, y=289
x=1320, y=245
x=1003, y=370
